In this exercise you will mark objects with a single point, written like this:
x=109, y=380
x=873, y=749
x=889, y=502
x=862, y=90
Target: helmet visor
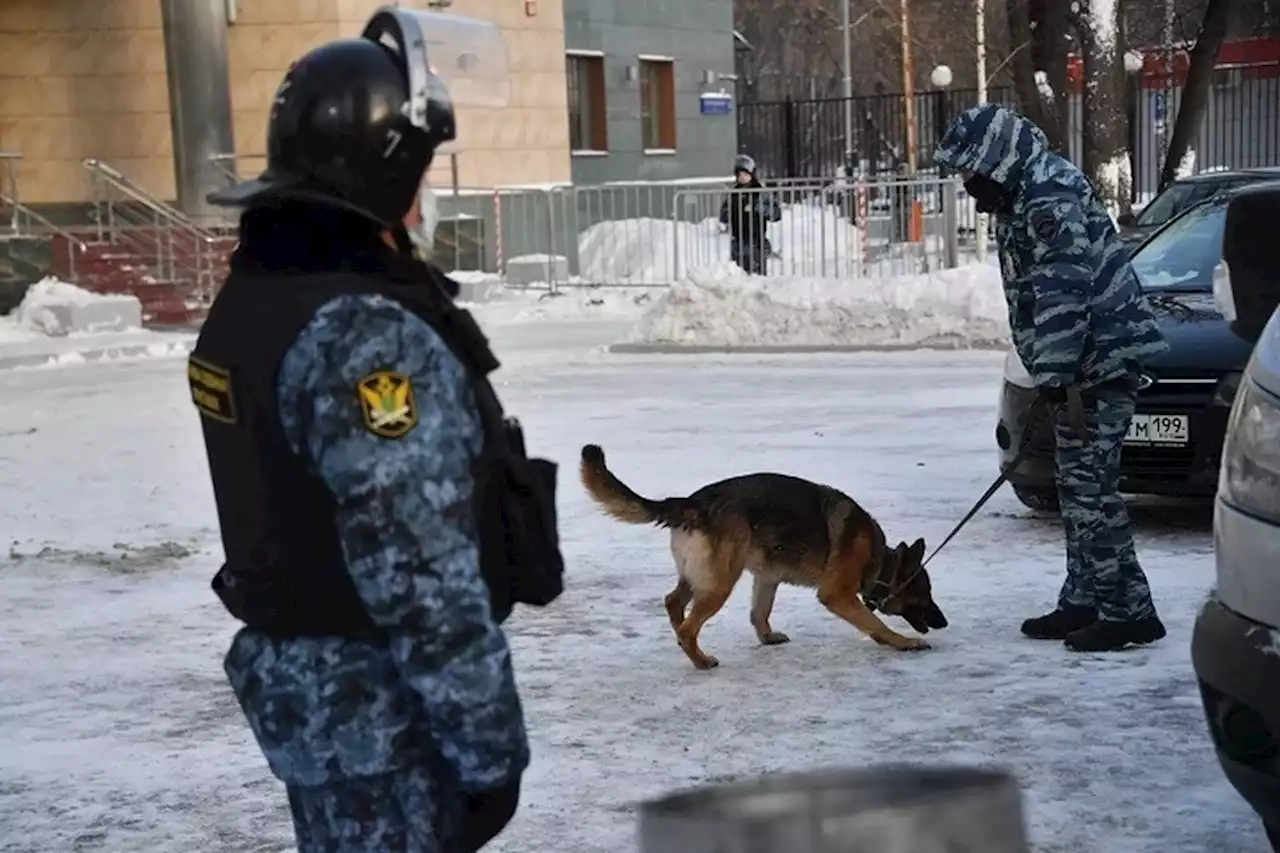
x=451, y=60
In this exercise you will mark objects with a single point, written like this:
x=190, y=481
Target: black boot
x=1058, y=624
x=1112, y=636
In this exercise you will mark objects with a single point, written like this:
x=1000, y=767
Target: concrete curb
x=96, y=354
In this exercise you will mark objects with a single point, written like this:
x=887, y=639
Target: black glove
x=1070, y=397
x=1054, y=395
x=486, y=813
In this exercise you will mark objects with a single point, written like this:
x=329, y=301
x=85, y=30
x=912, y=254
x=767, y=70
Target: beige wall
x=524, y=142
x=86, y=78
x=78, y=79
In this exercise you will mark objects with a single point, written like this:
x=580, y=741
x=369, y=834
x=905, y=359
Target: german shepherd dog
x=783, y=530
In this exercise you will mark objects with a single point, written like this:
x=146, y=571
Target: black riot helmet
x=356, y=121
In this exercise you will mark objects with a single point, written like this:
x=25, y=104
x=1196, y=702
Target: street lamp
x=1133, y=61
x=941, y=77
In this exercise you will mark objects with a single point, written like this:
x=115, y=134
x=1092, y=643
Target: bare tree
x=1039, y=29
x=1103, y=117
x=1195, y=95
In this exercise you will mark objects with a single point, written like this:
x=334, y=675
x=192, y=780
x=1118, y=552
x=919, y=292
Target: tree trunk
x=1052, y=25
x=1195, y=95
x=1023, y=65
x=1104, y=129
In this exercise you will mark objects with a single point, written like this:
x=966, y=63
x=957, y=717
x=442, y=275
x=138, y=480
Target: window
x=1183, y=255
x=587, y=116
x=658, y=104
x=1181, y=195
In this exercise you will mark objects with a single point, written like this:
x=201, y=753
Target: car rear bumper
x=1237, y=664
x=1176, y=471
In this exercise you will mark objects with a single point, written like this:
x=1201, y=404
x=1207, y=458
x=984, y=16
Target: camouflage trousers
x=399, y=812
x=1102, y=567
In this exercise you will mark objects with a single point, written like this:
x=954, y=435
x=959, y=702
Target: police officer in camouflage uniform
x=1083, y=330
x=352, y=440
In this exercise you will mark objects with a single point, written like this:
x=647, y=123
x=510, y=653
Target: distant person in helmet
x=746, y=210
x=359, y=461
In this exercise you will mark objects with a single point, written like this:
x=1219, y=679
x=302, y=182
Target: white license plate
x=1159, y=431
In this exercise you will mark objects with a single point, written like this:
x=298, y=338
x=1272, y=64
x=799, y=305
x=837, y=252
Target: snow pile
x=510, y=305
x=1187, y=165
x=957, y=308
x=1043, y=87
x=815, y=239
x=55, y=308
x=1115, y=180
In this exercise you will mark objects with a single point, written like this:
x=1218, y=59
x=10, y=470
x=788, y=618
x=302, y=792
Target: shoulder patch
x=212, y=390
x=1045, y=225
x=387, y=404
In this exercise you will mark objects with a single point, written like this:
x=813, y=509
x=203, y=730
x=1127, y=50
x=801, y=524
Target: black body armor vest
x=285, y=574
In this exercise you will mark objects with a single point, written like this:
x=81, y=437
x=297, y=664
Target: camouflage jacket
x=1076, y=309
x=442, y=693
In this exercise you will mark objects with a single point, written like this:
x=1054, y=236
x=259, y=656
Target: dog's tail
x=617, y=499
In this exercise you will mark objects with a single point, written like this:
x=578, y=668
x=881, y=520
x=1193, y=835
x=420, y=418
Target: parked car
x=1185, y=193
x=1175, y=441
x=1235, y=647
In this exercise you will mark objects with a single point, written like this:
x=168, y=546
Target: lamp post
x=1133, y=64
x=847, y=87
x=980, y=25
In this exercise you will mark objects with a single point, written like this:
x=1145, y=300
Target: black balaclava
x=988, y=194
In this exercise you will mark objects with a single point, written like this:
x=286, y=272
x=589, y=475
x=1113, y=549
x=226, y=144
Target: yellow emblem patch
x=211, y=390
x=387, y=404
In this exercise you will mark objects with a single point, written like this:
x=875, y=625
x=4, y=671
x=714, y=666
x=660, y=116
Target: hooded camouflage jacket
x=1076, y=309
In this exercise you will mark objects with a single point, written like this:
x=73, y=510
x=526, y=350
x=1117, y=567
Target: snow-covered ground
x=118, y=732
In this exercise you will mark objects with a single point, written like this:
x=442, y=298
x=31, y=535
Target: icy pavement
x=117, y=730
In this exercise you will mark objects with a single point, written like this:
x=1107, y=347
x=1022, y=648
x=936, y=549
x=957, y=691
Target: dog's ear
x=915, y=553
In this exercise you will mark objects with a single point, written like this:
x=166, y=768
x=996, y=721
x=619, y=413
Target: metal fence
x=654, y=234
x=1241, y=126
x=806, y=138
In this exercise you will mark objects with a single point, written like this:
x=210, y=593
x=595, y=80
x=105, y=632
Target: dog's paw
x=775, y=638
x=706, y=662
x=913, y=644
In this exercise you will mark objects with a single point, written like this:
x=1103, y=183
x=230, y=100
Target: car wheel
x=1041, y=500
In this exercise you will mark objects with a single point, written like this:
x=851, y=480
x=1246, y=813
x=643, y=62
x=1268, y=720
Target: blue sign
x=716, y=104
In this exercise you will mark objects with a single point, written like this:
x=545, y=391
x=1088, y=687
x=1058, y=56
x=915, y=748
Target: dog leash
x=1036, y=419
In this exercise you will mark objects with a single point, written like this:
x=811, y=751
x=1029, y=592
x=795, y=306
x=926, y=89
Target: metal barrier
x=173, y=247
x=654, y=234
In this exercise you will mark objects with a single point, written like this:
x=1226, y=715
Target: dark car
x=1187, y=193
x=1175, y=441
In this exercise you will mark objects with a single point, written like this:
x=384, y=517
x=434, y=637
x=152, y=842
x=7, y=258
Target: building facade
x=91, y=79
x=650, y=89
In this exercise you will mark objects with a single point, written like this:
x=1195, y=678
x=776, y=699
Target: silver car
x=1235, y=648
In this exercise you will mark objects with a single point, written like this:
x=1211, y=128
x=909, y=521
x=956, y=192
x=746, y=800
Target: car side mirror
x=1250, y=291
x=1126, y=219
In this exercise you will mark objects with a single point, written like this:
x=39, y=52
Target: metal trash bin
x=887, y=809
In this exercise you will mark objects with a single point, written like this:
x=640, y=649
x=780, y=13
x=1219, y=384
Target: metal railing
x=654, y=234
x=26, y=223
x=9, y=182
x=174, y=248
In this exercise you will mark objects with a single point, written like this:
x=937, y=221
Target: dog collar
x=879, y=593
